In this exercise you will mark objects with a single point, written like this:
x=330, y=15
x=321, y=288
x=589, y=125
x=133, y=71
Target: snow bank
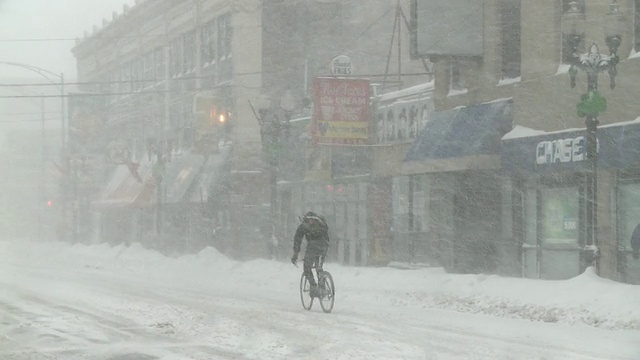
x=586, y=299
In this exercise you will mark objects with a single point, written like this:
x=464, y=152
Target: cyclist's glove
x=294, y=259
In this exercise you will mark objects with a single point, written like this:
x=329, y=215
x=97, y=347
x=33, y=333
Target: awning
x=463, y=132
x=526, y=151
x=129, y=185
x=178, y=176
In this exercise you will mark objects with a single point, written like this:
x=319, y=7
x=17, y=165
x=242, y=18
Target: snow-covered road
x=60, y=302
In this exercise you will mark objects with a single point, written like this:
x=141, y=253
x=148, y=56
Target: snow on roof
x=521, y=131
x=414, y=90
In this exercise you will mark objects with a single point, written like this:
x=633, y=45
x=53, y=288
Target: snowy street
x=62, y=302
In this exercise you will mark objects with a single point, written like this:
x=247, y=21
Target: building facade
x=533, y=195
x=175, y=80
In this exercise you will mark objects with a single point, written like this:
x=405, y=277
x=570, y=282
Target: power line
x=159, y=82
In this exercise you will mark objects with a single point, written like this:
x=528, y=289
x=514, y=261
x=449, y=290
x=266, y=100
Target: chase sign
x=618, y=147
x=561, y=151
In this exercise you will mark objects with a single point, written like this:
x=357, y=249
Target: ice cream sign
x=561, y=151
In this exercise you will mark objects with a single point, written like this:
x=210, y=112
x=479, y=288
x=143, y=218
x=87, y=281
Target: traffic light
x=209, y=113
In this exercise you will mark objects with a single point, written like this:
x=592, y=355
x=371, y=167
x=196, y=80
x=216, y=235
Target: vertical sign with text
x=341, y=111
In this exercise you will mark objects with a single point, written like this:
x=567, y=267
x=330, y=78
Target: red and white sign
x=341, y=111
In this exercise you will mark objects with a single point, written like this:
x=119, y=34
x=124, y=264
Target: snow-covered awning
x=178, y=176
x=463, y=131
x=526, y=151
x=129, y=185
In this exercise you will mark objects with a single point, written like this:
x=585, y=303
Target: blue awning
x=464, y=131
x=526, y=152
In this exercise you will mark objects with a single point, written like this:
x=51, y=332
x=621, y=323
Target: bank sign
x=561, y=151
x=341, y=111
x=618, y=146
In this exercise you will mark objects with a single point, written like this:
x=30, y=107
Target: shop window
x=400, y=196
x=628, y=213
x=510, y=26
x=410, y=203
x=560, y=216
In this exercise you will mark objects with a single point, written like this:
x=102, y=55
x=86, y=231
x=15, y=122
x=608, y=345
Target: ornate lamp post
x=592, y=103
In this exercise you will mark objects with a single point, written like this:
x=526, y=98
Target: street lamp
x=274, y=123
x=46, y=74
x=593, y=103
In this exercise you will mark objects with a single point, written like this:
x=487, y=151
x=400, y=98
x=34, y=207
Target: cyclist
x=315, y=229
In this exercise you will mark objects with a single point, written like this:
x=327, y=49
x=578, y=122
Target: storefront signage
x=341, y=111
x=617, y=148
x=561, y=151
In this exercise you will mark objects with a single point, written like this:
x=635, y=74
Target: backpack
x=318, y=228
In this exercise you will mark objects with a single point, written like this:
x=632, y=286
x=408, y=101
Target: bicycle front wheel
x=305, y=293
x=329, y=292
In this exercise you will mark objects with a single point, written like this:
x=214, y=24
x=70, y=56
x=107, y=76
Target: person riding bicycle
x=315, y=229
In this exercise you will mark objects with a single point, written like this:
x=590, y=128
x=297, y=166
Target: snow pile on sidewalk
x=586, y=299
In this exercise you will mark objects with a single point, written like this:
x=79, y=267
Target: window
x=411, y=203
x=510, y=26
x=137, y=73
x=189, y=52
x=160, y=63
x=401, y=208
x=175, y=55
x=149, y=67
x=224, y=36
x=572, y=43
x=209, y=38
x=566, y=5
x=629, y=211
x=457, y=80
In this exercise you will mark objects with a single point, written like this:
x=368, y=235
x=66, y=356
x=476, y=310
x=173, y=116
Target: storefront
x=447, y=197
x=549, y=171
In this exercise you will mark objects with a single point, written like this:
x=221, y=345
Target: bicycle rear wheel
x=329, y=292
x=305, y=293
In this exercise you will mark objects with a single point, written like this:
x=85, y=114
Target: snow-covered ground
x=59, y=301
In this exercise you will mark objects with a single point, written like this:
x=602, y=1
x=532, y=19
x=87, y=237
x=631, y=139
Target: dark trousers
x=311, y=260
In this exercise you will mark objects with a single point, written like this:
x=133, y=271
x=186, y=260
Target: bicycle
x=327, y=289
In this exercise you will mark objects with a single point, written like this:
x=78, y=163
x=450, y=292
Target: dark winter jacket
x=635, y=239
x=317, y=235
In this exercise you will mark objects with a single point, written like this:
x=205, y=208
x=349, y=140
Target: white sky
x=98, y=302
x=48, y=19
